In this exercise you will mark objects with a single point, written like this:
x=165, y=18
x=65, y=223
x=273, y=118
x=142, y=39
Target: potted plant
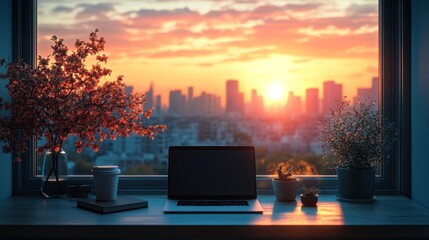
x=61, y=97
x=285, y=186
x=358, y=137
x=309, y=196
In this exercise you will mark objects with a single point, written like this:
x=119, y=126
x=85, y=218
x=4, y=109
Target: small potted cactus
x=285, y=186
x=309, y=196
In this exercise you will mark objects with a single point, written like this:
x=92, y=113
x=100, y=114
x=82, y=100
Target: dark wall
x=5, y=52
x=420, y=101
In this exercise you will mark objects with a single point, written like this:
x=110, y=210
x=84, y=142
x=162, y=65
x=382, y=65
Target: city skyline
x=312, y=103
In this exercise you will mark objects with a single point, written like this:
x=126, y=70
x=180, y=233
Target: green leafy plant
x=310, y=191
x=358, y=136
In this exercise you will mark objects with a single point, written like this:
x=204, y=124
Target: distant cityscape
x=201, y=120
x=209, y=104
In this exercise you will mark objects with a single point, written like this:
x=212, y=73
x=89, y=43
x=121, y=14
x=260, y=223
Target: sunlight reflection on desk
x=293, y=213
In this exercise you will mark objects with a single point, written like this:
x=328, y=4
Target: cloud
x=181, y=53
x=362, y=10
x=150, y=13
x=329, y=30
x=362, y=49
x=302, y=60
x=205, y=64
x=247, y=1
x=224, y=14
x=99, y=10
x=268, y=9
x=64, y=9
x=303, y=7
x=237, y=35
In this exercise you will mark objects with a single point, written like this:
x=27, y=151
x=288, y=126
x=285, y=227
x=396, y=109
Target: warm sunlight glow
x=226, y=72
x=293, y=213
x=176, y=44
x=275, y=92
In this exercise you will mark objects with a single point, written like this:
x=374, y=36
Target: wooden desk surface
x=389, y=217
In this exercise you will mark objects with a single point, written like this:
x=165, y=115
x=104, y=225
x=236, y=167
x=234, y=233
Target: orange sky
x=291, y=44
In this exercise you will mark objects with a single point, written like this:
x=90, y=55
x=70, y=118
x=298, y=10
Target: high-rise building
x=369, y=93
x=190, y=106
x=204, y=104
x=177, y=103
x=190, y=93
x=294, y=105
x=256, y=107
x=365, y=93
x=240, y=103
x=217, y=108
x=149, y=98
x=312, y=101
x=207, y=104
x=332, y=95
x=254, y=98
x=234, y=99
x=158, y=106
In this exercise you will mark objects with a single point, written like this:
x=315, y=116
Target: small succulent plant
x=310, y=191
x=285, y=176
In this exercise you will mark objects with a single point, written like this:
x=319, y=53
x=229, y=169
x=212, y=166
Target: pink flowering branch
x=62, y=97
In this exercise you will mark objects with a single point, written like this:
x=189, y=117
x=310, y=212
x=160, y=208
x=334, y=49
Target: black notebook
x=120, y=204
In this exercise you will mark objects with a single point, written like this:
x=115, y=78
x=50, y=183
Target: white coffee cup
x=106, y=182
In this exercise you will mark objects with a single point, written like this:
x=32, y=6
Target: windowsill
x=389, y=217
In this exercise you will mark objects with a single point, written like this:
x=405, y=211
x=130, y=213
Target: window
x=266, y=66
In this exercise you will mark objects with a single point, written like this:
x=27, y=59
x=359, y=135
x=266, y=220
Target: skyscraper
x=234, y=99
x=240, y=103
x=149, y=98
x=177, y=103
x=365, y=93
x=256, y=104
x=369, y=93
x=294, y=105
x=190, y=106
x=207, y=104
x=190, y=93
x=158, y=106
x=312, y=101
x=332, y=95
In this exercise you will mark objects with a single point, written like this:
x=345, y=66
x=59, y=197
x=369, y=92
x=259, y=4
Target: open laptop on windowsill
x=212, y=179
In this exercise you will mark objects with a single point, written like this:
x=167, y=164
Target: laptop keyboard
x=212, y=203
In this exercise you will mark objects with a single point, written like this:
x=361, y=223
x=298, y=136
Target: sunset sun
x=275, y=92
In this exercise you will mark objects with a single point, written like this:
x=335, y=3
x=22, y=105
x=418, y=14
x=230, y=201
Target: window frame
x=394, y=72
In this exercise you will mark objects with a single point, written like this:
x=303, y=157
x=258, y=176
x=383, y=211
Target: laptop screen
x=212, y=172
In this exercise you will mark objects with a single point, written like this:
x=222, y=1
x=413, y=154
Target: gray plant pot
x=355, y=184
x=286, y=191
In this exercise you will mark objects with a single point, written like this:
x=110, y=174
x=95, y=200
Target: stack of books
x=121, y=203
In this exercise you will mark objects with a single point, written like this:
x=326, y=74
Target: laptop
x=212, y=179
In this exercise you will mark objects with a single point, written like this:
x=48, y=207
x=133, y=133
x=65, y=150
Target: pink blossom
x=62, y=97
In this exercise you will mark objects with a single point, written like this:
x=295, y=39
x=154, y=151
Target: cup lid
x=105, y=169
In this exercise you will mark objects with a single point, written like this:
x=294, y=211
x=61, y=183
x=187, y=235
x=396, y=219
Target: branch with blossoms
x=62, y=97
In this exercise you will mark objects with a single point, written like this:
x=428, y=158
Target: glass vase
x=54, y=174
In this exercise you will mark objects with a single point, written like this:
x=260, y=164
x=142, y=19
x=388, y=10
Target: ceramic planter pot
x=286, y=191
x=309, y=201
x=355, y=184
